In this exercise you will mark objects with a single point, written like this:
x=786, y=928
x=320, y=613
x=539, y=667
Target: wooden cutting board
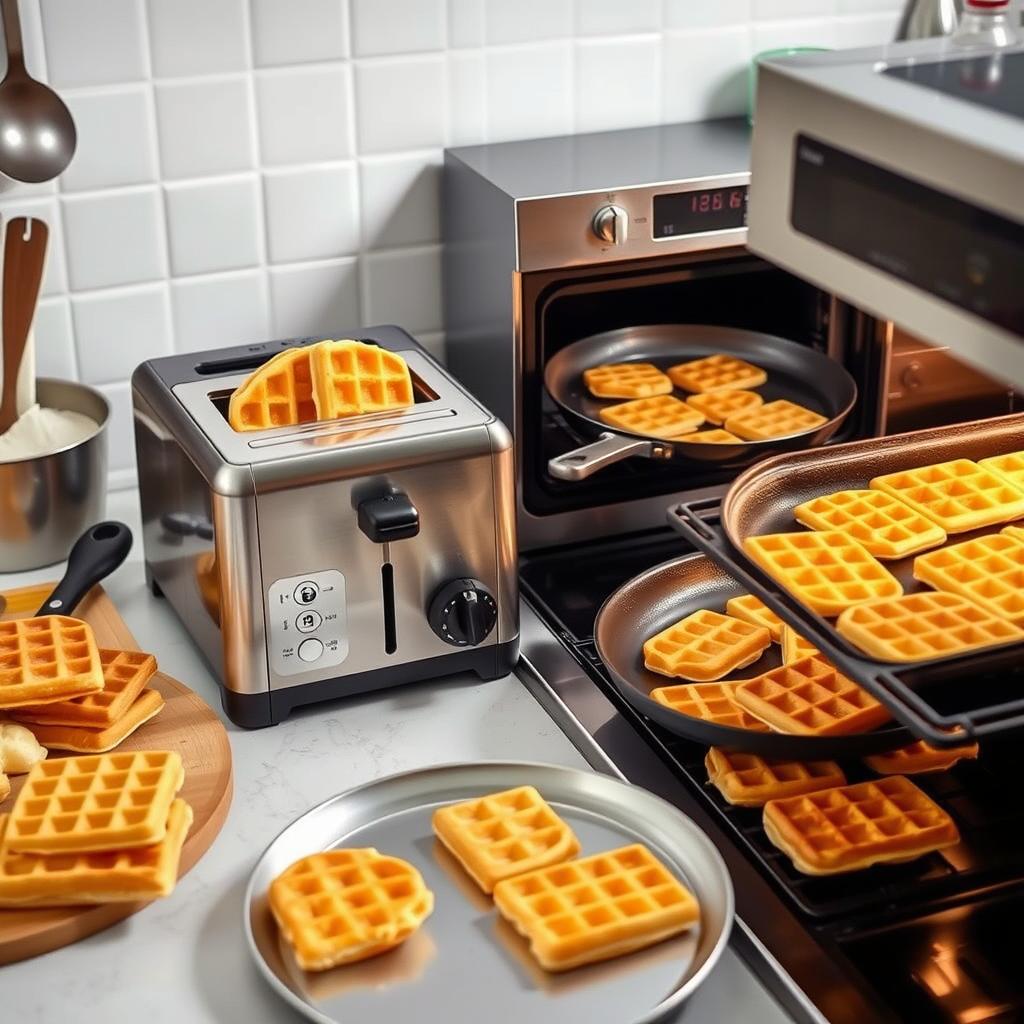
x=186, y=724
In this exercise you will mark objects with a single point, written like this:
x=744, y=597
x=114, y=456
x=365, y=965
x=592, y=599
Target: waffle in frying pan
x=780, y=418
x=661, y=416
x=277, y=394
x=794, y=646
x=716, y=373
x=626, y=380
x=751, y=609
x=710, y=437
x=710, y=702
x=705, y=646
x=747, y=780
x=717, y=406
x=1009, y=467
x=919, y=757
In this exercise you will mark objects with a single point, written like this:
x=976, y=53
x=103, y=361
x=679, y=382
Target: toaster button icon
x=308, y=621
x=307, y=592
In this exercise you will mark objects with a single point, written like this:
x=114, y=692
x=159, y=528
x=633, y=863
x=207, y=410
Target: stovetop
x=922, y=941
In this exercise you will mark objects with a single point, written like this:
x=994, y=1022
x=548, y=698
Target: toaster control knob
x=463, y=613
x=611, y=224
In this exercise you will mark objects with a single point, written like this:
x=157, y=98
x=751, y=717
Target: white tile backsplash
x=263, y=168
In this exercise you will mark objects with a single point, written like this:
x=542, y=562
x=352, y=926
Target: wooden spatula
x=24, y=257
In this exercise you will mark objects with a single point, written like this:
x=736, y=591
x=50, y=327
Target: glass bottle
x=986, y=25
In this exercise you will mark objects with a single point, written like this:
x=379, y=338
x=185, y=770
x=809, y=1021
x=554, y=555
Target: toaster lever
x=388, y=518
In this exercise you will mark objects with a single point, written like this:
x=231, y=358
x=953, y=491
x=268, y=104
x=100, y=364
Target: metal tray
x=466, y=964
x=928, y=697
x=655, y=599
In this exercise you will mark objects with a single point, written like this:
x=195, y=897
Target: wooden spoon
x=24, y=256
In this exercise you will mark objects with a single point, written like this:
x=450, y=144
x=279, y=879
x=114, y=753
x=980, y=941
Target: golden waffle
x=810, y=697
x=114, y=876
x=661, y=416
x=794, y=646
x=747, y=780
x=780, y=418
x=716, y=373
x=504, y=834
x=125, y=674
x=596, y=907
x=988, y=570
x=880, y=522
x=718, y=406
x=853, y=827
x=705, y=646
x=710, y=437
x=920, y=627
x=753, y=610
x=1009, y=467
x=45, y=659
x=919, y=757
x=958, y=495
x=102, y=802
x=351, y=378
x=83, y=740
x=710, y=702
x=341, y=906
x=626, y=380
x=1013, y=531
x=825, y=570
x=278, y=394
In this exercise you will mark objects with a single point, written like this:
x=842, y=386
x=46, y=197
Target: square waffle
x=919, y=757
x=103, y=802
x=277, y=394
x=351, y=378
x=705, y=646
x=880, y=522
x=1009, y=467
x=113, y=876
x=958, y=495
x=920, y=627
x=504, y=834
x=710, y=702
x=716, y=373
x=780, y=418
x=45, y=659
x=718, y=406
x=626, y=380
x=86, y=740
x=710, y=437
x=989, y=570
x=1016, y=532
x=752, y=609
x=811, y=698
x=341, y=906
x=853, y=827
x=794, y=646
x=826, y=570
x=596, y=907
x=125, y=674
x=661, y=416
x=747, y=780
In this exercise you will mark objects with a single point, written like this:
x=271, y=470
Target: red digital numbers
x=714, y=202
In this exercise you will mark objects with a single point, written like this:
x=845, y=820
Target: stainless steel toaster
x=315, y=561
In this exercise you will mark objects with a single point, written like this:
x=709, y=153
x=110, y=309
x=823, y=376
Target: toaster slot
x=387, y=593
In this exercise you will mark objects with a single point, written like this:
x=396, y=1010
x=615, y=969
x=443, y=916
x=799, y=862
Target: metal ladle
x=37, y=134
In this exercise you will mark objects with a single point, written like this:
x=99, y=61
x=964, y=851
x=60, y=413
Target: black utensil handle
x=96, y=554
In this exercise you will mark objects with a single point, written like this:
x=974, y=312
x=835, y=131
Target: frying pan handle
x=96, y=554
x=606, y=450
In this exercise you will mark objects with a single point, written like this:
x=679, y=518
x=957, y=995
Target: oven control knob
x=611, y=224
x=463, y=613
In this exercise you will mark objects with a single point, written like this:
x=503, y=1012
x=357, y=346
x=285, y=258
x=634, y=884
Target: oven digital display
x=693, y=213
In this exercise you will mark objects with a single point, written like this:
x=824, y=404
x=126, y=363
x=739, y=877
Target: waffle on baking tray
x=883, y=524
x=923, y=626
x=919, y=757
x=504, y=834
x=958, y=495
x=794, y=646
x=352, y=378
x=711, y=702
x=825, y=570
x=83, y=739
x=596, y=907
x=1010, y=467
x=626, y=380
x=345, y=905
x=111, y=876
x=811, y=698
x=747, y=780
x=716, y=373
x=753, y=610
x=661, y=416
x=101, y=802
x=852, y=827
x=780, y=418
x=47, y=658
x=717, y=406
x=705, y=646
x=277, y=394
x=988, y=570
x=710, y=437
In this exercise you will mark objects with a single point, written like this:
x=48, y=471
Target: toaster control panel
x=306, y=622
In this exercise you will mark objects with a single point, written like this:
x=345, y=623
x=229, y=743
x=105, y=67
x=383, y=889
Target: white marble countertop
x=183, y=959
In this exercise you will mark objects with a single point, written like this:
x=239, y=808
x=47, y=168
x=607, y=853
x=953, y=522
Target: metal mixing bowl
x=47, y=501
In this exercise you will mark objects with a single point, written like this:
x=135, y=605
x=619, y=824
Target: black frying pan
x=795, y=372
x=654, y=600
